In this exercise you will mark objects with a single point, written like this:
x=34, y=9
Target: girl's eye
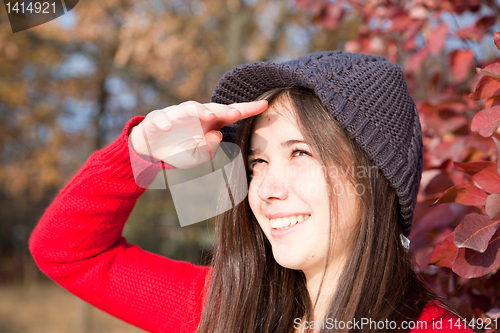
x=297, y=153
x=252, y=164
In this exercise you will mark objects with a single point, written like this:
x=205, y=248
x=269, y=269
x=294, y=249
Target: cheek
x=255, y=203
x=253, y=198
x=310, y=184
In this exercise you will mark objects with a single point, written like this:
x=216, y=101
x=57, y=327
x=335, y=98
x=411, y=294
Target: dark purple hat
x=366, y=94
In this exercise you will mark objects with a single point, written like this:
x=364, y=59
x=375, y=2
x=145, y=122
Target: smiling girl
x=310, y=249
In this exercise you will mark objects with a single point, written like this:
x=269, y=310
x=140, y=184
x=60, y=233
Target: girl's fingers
x=240, y=110
x=206, y=115
x=220, y=112
x=210, y=112
x=212, y=141
x=212, y=116
x=251, y=108
x=193, y=110
x=213, y=136
x=158, y=120
x=227, y=114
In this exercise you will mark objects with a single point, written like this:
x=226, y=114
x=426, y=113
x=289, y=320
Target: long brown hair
x=250, y=292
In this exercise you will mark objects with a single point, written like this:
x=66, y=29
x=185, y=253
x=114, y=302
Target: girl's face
x=288, y=195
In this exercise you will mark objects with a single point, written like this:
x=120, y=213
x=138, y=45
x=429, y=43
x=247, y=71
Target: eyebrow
x=284, y=144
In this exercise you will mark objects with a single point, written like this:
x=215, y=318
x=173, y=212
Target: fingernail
x=165, y=124
x=207, y=111
x=233, y=110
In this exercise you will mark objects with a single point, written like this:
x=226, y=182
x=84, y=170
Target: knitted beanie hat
x=366, y=94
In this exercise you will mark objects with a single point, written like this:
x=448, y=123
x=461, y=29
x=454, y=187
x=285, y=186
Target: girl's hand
x=185, y=135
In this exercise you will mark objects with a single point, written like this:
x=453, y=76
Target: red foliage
x=492, y=206
x=460, y=231
x=465, y=194
x=461, y=62
x=475, y=231
x=437, y=38
x=492, y=70
x=487, y=87
x=470, y=263
x=484, y=173
x=486, y=121
x=445, y=253
x=496, y=38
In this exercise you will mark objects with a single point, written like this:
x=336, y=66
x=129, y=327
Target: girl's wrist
x=138, y=143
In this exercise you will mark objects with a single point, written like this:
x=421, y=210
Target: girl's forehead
x=279, y=111
x=274, y=127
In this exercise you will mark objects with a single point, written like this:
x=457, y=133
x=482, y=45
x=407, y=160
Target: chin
x=288, y=260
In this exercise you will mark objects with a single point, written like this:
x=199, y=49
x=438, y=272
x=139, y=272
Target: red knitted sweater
x=78, y=244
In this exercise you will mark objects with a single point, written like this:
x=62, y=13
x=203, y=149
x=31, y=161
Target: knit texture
x=78, y=244
x=366, y=94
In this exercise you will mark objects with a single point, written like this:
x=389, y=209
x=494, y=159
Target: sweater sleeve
x=435, y=319
x=78, y=243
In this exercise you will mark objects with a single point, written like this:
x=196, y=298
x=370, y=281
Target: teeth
x=287, y=221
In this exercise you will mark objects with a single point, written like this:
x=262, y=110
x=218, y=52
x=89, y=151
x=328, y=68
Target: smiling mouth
x=283, y=223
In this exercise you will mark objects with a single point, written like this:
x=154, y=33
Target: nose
x=273, y=186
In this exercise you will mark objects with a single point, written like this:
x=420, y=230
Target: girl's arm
x=78, y=244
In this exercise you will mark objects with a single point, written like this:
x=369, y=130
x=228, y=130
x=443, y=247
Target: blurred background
x=68, y=87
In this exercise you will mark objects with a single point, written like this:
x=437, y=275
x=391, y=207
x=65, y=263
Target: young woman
x=333, y=152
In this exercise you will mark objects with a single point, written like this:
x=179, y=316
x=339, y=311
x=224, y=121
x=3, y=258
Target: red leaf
x=486, y=121
x=492, y=206
x=445, y=253
x=465, y=194
x=332, y=15
x=471, y=33
x=409, y=44
x=462, y=6
x=492, y=101
x=486, y=87
x=443, y=117
x=461, y=62
x=484, y=173
x=452, y=149
x=492, y=70
x=475, y=231
x=439, y=184
x=496, y=39
x=485, y=22
x=436, y=39
x=312, y=6
x=412, y=29
x=470, y=264
x=435, y=217
x=416, y=59
x=497, y=144
x=400, y=21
